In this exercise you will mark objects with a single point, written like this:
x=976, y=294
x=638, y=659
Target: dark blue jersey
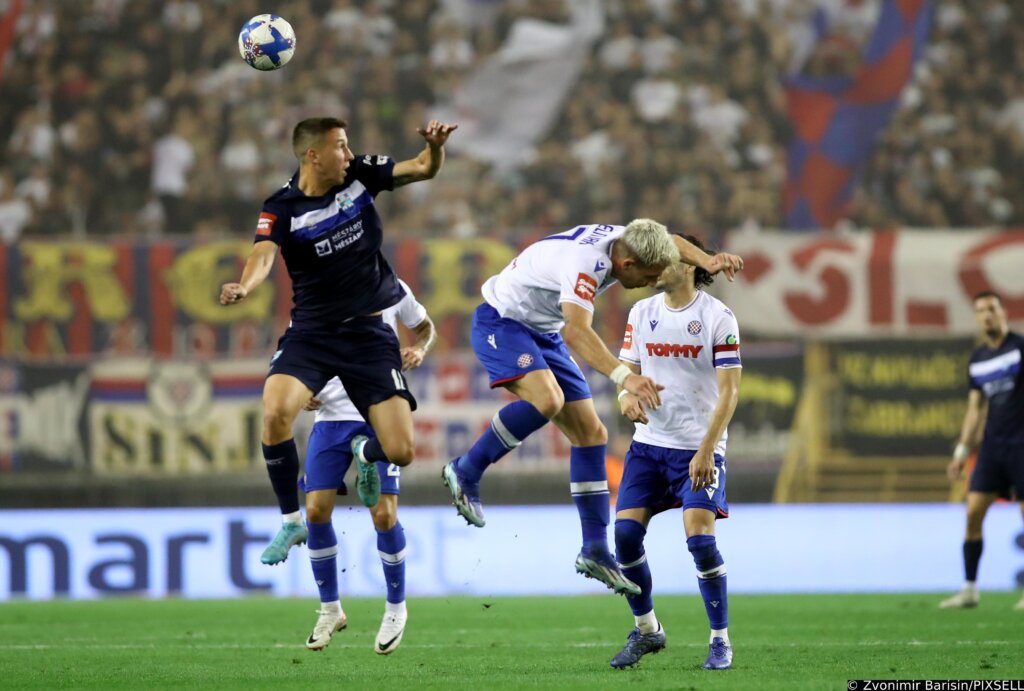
x=996, y=372
x=331, y=246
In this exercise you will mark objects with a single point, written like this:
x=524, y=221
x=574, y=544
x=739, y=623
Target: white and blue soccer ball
x=266, y=42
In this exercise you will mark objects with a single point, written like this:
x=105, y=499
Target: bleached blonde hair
x=650, y=243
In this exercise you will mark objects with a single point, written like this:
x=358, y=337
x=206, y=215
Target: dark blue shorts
x=509, y=350
x=658, y=479
x=362, y=352
x=999, y=470
x=329, y=455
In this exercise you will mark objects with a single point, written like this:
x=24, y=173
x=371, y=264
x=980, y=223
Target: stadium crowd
x=138, y=117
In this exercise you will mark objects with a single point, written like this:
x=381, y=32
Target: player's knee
x=594, y=433
x=277, y=423
x=549, y=402
x=706, y=556
x=385, y=516
x=316, y=513
x=629, y=541
x=399, y=451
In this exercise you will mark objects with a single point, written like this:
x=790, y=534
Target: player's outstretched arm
x=974, y=419
x=702, y=466
x=579, y=335
x=257, y=268
x=430, y=160
x=426, y=337
x=694, y=256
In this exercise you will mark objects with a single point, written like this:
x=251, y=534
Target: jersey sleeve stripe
x=725, y=347
x=728, y=362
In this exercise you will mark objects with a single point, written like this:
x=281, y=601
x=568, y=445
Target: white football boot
x=328, y=623
x=390, y=634
x=965, y=598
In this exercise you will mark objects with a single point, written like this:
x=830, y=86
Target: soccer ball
x=267, y=42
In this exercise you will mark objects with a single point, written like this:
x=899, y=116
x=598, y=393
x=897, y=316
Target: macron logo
x=674, y=350
x=654, y=324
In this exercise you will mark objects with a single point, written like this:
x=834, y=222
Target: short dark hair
x=700, y=276
x=988, y=294
x=311, y=131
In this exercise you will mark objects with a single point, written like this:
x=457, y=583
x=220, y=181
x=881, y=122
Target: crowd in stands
x=138, y=117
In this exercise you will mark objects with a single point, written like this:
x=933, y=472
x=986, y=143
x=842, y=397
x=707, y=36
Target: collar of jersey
x=691, y=303
x=293, y=190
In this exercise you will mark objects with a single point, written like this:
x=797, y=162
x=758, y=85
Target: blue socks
x=283, y=468
x=588, y=481
x=629, y=552
x=323, y=555
x=972, y=555
x=509, y=427
x=711, y=579
x=391, y=547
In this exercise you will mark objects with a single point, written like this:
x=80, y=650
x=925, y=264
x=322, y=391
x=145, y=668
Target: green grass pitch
x=780, y=642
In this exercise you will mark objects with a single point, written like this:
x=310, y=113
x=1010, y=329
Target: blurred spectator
x=115, y=122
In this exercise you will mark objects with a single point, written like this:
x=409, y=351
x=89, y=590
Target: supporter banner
x=42, y=417
x=175, y=417
x=900, y=398
x=206, y=553
x=77, y=300
x=899, y=283
x=126, y=416
x=136, y=298
x=769, y=392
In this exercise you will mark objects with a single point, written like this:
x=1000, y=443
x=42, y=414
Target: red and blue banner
x=836, y=118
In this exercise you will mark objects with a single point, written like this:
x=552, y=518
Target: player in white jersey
x=328, y=457
x=550, y=288
x=688, y=341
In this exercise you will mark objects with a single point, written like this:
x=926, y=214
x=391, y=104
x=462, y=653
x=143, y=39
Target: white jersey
x=334, y=401
x=681, y=349
x=574, y=266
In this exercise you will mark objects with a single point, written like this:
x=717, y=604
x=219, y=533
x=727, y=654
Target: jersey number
x=566, y=236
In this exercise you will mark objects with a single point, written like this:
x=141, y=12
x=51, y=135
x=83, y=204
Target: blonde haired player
x=546, y=291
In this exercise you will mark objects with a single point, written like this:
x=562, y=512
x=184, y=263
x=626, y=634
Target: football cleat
x=964, y=599
x=288, y=536
x=637, y=645
x=599, y=565
x=368, y=479
x=390, y=635
x=465, y=496
x=719, y=654
x=328, y=623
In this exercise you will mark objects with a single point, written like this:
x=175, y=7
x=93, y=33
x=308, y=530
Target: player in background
x=995, y=401
x=329, y=232
x=328, y=458
x=550, y=288
x=688, y=341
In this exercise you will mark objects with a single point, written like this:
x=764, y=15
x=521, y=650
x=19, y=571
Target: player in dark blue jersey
x=329, y=233
x=995, y=401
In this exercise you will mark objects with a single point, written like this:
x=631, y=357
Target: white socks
x=719, y=633
x=647, y=623
x=294, y=517
x=395, y=608
x=331, y=606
